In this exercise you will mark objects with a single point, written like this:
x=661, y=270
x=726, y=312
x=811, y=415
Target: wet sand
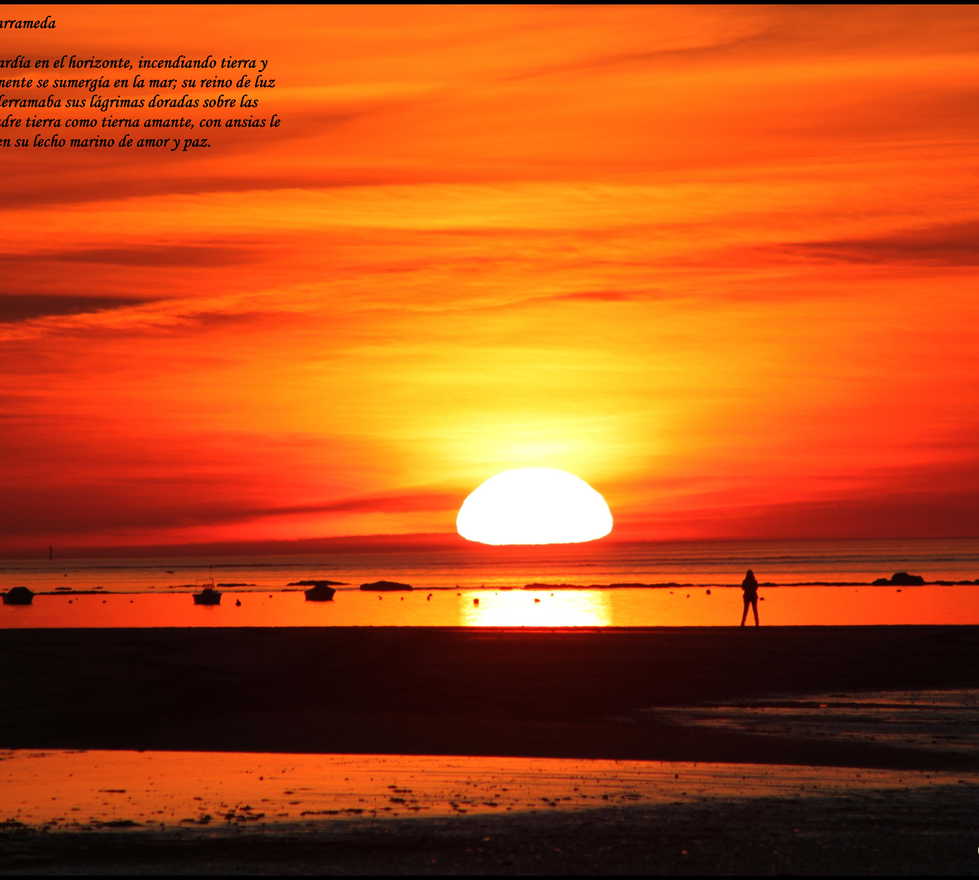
x=160, y=812
x=627, y=694
x=88, y=790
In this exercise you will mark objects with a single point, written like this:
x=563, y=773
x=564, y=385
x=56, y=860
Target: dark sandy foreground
x=599, y=694
x=570, y=693
x=909, y=832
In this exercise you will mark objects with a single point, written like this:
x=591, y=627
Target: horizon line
x=407, y=540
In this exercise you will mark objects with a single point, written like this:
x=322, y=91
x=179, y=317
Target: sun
x=534, y=506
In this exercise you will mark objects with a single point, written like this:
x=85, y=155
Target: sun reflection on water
x=535, y=608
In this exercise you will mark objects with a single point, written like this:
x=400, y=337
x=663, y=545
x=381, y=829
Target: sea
x=600, y=583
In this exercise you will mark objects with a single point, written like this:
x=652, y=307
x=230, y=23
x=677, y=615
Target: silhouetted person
x=749, y=589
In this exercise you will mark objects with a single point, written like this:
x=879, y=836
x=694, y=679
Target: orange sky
x=719, y=262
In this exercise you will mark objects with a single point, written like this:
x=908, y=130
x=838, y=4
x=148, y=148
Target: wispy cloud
x=139, y=255
x=946, y=244
x=28, y=306
x=94, y=509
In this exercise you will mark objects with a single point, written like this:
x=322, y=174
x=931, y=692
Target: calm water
x=474, y=585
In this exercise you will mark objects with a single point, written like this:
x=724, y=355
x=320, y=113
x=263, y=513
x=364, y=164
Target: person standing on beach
x=749, y=589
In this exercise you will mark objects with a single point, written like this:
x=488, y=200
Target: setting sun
x=534, y=506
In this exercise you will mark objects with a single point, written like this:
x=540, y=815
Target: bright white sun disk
x=534, y=506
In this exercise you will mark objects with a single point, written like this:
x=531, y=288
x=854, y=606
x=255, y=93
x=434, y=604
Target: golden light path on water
x=532, y=608
x=680, y=606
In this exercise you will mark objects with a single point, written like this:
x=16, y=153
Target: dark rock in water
x=18, y=596
x=386, y=586
x=316, y=584
x=237, y=603
x=322, y=592
x=207, y=596
x=901, y=578
x=881, y=582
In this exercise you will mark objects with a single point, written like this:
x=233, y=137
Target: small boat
x=18, y=596
x=320, y=593
x=208, y=596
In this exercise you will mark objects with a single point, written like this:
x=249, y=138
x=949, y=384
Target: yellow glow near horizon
x=536, y=608
x=534, y=506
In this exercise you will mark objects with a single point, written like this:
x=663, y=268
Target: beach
x=720, y=697
x=557, y=693
x=567, y=817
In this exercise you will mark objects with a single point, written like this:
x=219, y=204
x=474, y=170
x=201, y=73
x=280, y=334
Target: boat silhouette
x=208, y=596
x=322, y=592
